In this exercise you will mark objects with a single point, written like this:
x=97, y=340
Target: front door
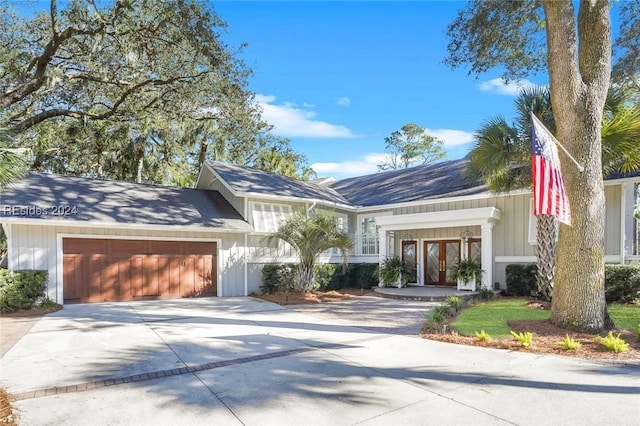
x=410, y=257
x=440, y=256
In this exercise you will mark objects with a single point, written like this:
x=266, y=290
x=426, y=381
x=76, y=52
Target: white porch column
x=627, y=220
x=487, y=254
x=382, y=243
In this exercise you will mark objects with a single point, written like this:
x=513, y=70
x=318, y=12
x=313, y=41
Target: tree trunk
x=305, y=277
x=546, y=255
x=579, y=68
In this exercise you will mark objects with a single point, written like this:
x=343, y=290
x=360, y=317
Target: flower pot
x=469, y=285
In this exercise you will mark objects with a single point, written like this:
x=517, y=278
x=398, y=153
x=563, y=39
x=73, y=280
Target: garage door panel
x=96, y=270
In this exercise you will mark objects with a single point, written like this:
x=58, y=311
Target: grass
x=492, y=317
x=625, y=316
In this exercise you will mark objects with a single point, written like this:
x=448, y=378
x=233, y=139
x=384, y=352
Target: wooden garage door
x=98, y=270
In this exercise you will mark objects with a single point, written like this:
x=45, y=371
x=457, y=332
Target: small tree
x=309, y=237
x=13, y=161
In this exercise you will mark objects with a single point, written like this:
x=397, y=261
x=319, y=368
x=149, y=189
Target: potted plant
x=394, y=272
x=468, y=273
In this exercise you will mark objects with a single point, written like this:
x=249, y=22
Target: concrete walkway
x=245, y=361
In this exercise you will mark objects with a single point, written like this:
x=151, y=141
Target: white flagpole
x=533, y=117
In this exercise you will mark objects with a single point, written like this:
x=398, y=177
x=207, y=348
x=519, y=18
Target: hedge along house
x=102, y=240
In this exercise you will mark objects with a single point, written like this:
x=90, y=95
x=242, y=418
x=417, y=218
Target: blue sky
x=338, y=77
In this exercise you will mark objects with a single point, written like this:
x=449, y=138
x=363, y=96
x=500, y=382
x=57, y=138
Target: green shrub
x=521, y=279
x=486, y=294
x=21, y=289
x=621, y=283
x=525, y=339
x=613, y=343
x=323, y=274
x=355, y=275
x=278, y=277
x=638, y=331
x=569, y=343
x=328, y=276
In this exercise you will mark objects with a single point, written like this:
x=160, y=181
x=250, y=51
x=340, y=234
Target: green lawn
x=625, y=316
x=492, y=317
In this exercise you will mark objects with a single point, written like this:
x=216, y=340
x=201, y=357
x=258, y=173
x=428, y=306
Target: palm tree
x=502, y=158
x=13, y=161
x=309, y=237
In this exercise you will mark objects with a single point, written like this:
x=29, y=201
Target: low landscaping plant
x=569, y=343
x=483, y=336
x=521, y=279
x=613, y=343
x=394, y=272
x=443, y=310
x=454, y=302
x=21, y=289
x=433, y=322
x=525, y=338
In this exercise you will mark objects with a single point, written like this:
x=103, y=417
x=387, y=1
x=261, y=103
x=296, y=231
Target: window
x=267, y=217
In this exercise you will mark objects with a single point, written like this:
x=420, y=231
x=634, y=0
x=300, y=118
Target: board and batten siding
x=36, y=247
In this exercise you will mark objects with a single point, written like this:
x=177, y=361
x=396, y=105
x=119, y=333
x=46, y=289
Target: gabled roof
x=428, y=182
x=112, y=202
x=252, y=181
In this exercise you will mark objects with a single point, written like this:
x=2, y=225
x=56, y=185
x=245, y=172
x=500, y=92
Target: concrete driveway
x=246, y=361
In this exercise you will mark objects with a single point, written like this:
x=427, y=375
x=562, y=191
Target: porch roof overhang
x=441, y=219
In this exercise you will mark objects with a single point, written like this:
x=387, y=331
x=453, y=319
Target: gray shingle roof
x=433, y=181
x=255, y=181
x=116, y=202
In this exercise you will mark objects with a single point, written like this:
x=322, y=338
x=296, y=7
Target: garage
x=99, y=270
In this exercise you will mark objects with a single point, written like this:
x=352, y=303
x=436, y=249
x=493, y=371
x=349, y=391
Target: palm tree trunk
x=305, y=277
x=547, y=233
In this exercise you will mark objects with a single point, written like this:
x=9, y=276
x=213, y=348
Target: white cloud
x=451, y=137
x=344, y=101
x=367, y=165
x=290, y=120
x=498, y=85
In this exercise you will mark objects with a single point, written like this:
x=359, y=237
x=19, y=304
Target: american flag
x=549, y=193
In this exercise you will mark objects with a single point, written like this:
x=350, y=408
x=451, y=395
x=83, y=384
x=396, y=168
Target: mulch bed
x=283, y=298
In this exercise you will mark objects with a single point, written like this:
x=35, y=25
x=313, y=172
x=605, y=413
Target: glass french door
x=440, y=256
x=410, y=257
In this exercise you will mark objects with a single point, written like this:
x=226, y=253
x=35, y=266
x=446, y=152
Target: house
x=103, y=240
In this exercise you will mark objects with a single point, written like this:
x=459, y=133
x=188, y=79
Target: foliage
x=638, y=332
x=569, y=343
x=394, y=272
x=454, y=302
x=444, y=310
x=309, y=237
x=13, y=160
x=486, y=294
x=613, y=343
x=622, y=283
x=354, y=275
x=281, y=277
x=521, y=279
x=433, y=322
x=483, y=336
x=411, y=146
x=493, y=316
x=525, y=338
x=278, y=277
x=21, y=289
x=132, y=90
x=466, y=270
